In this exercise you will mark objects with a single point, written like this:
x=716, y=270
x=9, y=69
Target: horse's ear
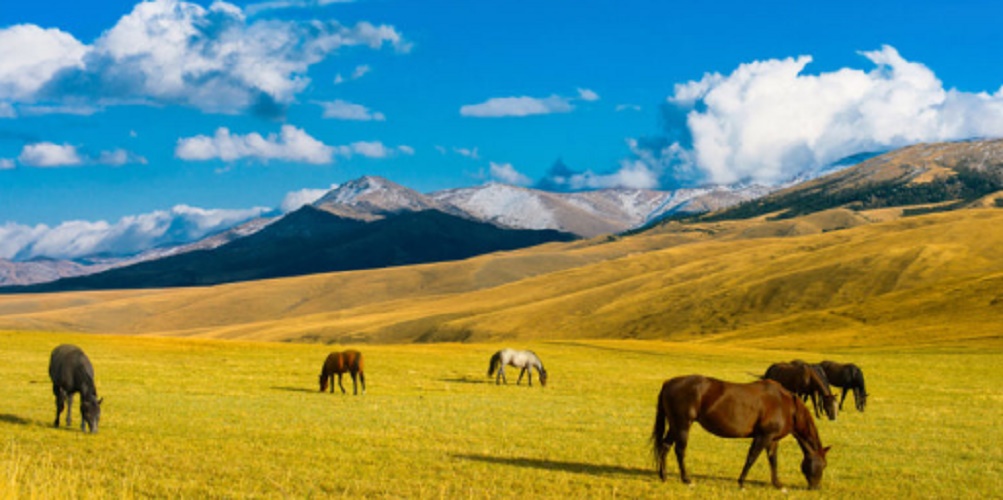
x=100, y=401
x=825, y=450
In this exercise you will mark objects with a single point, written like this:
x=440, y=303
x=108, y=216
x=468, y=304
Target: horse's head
x=812, y=467
x=323, y=383
x=543, y=377
x=861, y=401
x=90, y=411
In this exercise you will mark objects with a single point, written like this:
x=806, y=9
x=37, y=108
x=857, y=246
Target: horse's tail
x=659, y=445
x=493, y=365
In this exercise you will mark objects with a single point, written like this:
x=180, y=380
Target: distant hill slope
x=932, y=279
x=950, y=175
x=312, y=240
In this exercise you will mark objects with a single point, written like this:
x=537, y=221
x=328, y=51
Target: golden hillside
x=828, y=279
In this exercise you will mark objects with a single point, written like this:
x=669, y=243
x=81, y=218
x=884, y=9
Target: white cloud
x=48, y=154
x=30, y=56
x=468, y=152
x=506, y=173
x=343, y=110
x=768, y=121
x=518, y=106
x=131, y=234
x=294, y=200
x=7, y=111
x=587, y=95
x=291, y=144
x=372, y=149
x=176, y=52
x=627, y=107
x=6, y=163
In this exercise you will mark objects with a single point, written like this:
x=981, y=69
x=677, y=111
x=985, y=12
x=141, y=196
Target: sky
x=128, y=124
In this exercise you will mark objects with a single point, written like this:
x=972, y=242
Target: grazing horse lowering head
x=526, y=361
x=71, y=372
x=338, y=363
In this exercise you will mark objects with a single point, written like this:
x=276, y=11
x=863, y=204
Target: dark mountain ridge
x=312, y=240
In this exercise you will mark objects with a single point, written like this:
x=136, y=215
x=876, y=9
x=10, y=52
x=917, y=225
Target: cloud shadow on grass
x=466, y=380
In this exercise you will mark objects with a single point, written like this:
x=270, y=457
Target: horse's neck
x=805, y=431
x=817, y=381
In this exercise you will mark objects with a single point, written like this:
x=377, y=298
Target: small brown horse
x=339, y=363
x=762, y=410
x=799, y=378
x=849, y=377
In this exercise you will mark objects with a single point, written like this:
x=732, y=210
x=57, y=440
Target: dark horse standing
x=71, y=372
x=762, y=410
x=850, y=377
x=799, y=378
x=340, y=362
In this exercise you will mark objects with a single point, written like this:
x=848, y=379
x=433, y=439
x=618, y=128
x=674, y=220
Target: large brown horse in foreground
x=762, y=410
x=338, y=363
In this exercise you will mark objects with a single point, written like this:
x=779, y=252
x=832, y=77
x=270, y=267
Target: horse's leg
x=362, y=380
x=521, y=373
x=69, y=407
x=758, y=444
x=331, y=377
x=846, y=390
x=501, y=375
x=341, y=385
x=60, y=402
x=771, y=453
x=814, y=403
x=355, y=384
x=680, y=438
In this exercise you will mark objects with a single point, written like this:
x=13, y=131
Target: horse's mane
x=805, y=431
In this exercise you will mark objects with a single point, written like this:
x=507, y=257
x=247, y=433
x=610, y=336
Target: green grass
x=201, y=418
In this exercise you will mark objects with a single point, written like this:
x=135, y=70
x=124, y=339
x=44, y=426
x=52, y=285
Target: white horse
x=527, y=360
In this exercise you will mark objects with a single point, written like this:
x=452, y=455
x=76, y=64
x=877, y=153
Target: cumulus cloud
x=48, y=154
x=176, y=52
x=130, y=235
x=291, y=144
x=506, y=173
x=343, y=110
x=294, y=200
x=769, y=121
x=517, y=106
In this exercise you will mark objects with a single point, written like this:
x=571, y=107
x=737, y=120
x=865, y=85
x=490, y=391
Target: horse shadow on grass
x=556, y=465
x=7, y=418
x=293, y=389
x=593, y=469
x=466, y=380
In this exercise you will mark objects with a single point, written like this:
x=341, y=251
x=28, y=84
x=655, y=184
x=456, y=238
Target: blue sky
x=118, y=109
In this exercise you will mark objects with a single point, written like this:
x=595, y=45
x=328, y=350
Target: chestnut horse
x=762, y=410
x=339, y=363
x=849, y=377
x=799, y=378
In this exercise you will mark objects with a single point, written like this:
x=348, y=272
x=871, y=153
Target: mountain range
x=368, y=199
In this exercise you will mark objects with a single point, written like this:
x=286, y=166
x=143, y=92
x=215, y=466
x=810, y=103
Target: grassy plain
x=187, y=418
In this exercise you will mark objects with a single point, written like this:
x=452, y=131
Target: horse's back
x=726, y=409
x=68, y=366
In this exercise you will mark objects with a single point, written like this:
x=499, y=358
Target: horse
x=527, y=360
x=340, y=362
x=801, y=380
x=71, y=372
x=849, y=377
x=762, y=410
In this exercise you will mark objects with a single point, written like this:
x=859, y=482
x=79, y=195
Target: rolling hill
x=857, y=274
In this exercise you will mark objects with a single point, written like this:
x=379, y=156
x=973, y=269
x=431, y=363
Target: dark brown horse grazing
x=340, y=362
x=71, y=372
x=849, y=377
x=799, y=378
x=762, y=410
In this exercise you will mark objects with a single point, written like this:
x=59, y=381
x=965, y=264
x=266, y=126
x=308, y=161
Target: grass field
x=201, y=418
